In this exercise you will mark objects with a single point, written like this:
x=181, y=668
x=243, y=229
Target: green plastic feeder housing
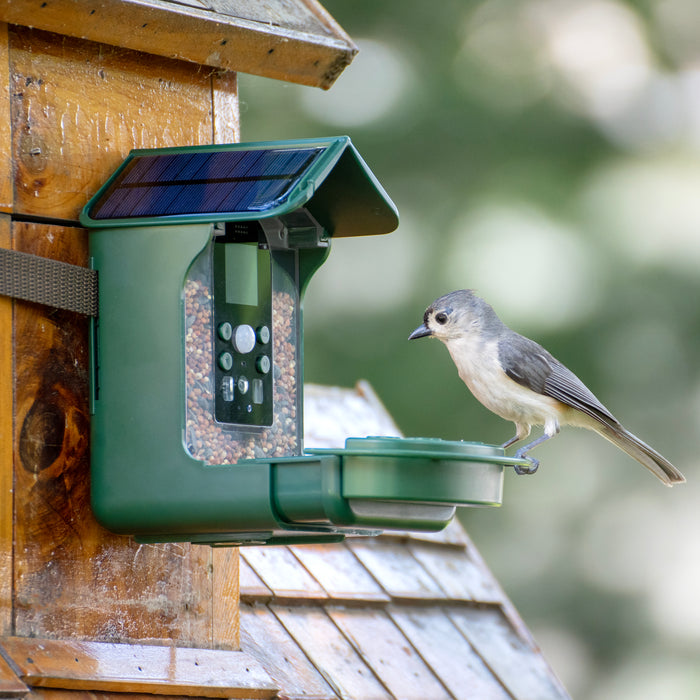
x=203, y=254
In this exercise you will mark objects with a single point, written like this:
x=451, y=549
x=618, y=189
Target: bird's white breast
x=479, y=368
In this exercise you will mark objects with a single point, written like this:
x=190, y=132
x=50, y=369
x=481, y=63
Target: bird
x=520, y=381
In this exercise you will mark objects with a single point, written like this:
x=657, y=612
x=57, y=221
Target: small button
x=243, y=339
x=258, y=391
x=225, y=361
x=263, y=335
x=227, y=388
x=225, y=331
x=243, y=385
x=262, y=364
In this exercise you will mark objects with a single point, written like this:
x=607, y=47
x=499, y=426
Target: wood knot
x=41, y=438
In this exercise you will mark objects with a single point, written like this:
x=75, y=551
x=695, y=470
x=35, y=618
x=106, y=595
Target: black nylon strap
x=50, y=282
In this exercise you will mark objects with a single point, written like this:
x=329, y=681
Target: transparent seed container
x=242, y=368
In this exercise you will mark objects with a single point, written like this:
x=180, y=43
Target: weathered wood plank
x=396, y=570
x=461, y=669
x=225, y=620
x=10, y=685
x=306, y=46
x=519, y=666
x=62, y=694
x=78, y=108
x=330, y=652
x=388, y=653
x=6, y=429
x=281, y=572
x=161, y=670
x=457, y=574
x=227, y=128
x=264, y=638
x=73, y=579
x=340, y=573
x=5, y=134
x=251, y=585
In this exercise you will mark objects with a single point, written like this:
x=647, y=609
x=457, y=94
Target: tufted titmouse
x=520, y=381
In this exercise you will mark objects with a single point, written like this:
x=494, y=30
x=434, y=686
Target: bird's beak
x=421, y=332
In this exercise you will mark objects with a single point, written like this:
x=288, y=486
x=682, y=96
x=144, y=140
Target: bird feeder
x=203, y=255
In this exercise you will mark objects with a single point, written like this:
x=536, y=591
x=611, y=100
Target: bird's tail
x=658, y=465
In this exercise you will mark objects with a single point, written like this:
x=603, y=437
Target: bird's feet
x=534, y=463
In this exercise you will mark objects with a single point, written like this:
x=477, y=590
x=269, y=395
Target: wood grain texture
x=5, y=135
x=72, y=579
x=267, y=641
x=431, y=633
x=280, y=571
x=331, y=653
x=161, y=670
x=293, y=41
x=385, y=650
x=226, y=629
x=10, y=684
x=340, y=573
x=6, y=429
x=518, y=664
x=78, y=108
x=396, y=570
x=227, y=127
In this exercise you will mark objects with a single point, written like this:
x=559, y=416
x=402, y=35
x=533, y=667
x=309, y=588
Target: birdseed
x=208, y=440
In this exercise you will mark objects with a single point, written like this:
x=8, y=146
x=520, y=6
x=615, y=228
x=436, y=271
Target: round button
x=243, y=385
x=263, y=335
x=262, y=364
x=225, y=361
x=225, y=331
x=243, y=339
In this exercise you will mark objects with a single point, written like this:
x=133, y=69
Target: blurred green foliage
x=576, y=126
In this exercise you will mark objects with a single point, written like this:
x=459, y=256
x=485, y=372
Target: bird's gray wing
x=529, y=364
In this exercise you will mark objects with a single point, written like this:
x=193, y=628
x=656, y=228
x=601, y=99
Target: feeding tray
x=387, y=481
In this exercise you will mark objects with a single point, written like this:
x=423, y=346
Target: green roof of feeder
x=246, y=181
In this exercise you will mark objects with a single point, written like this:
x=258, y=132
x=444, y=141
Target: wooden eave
x=294, y=41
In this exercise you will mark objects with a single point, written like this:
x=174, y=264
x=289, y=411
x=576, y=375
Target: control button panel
x=242, y=331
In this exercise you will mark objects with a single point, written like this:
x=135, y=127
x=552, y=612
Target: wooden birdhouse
x=86, y=611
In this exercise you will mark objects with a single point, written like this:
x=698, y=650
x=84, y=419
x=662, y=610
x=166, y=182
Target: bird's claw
x=534, y=464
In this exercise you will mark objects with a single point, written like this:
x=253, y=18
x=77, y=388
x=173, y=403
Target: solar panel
x=184, y=183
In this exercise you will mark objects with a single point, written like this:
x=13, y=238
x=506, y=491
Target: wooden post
x=75, y=109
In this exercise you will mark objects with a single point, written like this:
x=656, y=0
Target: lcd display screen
x=241, y=264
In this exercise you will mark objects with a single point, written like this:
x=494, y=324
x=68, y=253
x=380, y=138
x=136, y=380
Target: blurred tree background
x=547, y=154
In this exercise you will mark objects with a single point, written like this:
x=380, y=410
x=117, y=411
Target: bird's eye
x=441, y=318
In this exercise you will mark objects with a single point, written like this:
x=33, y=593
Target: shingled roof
x=397, y=616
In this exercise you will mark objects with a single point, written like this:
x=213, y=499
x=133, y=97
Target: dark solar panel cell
x=139, y=169
x=195, y=168
x=117, y=207
x=234, y=197
x=189, y=197
x=202, y=182
x=156, y=201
